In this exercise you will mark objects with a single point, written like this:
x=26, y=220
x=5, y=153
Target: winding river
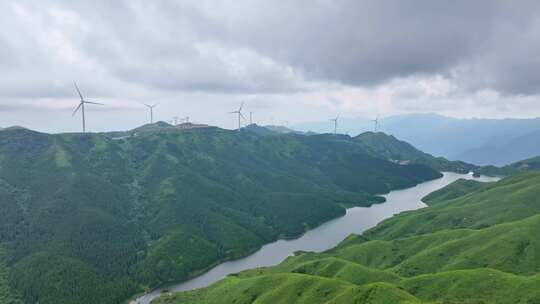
x=324, y=237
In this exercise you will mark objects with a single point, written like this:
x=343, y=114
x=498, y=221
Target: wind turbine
x=250, y=117
x=335, y=120
x=376, y=122
x=240, y=115
x=81, y=106
x=151, y=107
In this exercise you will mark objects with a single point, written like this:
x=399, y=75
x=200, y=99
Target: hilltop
x=96, y=218
x=159, y=126
x=388, y=147
x=477, y=247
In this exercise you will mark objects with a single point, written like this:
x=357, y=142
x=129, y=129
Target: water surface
x=324, y=237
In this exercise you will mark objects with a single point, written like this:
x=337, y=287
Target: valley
x=473, y=248
x=324, y=237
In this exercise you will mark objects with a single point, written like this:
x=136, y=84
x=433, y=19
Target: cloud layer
x=461, y=58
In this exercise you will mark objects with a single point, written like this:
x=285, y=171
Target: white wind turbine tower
x=81, y=106
x=376, y=123
x=240, y=115
x=335, y=120
x=151, y=107
x=250, y=117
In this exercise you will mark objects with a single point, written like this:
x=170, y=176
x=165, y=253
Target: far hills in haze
x=478, y=141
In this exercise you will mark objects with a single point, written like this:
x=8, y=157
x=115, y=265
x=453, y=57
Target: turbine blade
x=77, y=109
x=242, y=115
x=154, y=105
x=78, y=91
x=241, y=106
x=91, y=102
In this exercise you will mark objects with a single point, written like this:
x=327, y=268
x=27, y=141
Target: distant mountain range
x=478, y=141
x=502, y=151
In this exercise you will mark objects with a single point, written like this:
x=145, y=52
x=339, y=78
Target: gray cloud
x=227, y=50
x=264, y=46
x=366, y=43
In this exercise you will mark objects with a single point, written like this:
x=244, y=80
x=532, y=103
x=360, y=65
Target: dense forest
x=475, y=243
x=96, y=218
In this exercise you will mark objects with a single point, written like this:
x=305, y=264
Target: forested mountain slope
x=531, y=164
x=482, y=247
x=92, y=218
x=380, y=144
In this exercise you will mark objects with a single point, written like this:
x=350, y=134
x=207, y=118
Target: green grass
x=511, y=247
x=291, y=288
x=61, y=157
x=511, y=199
x=474, y=286
x=454, y=190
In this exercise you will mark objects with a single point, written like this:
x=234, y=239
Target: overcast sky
x=289, y=61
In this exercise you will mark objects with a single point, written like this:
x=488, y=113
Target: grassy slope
x=89, y=219
x=291, y=288
x=456, y=189
x=495, y=262
x=513, y=198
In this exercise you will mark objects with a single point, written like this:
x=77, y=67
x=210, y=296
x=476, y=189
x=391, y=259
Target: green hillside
x=456, y=189
x=388, y=147
x=531, y=164
x=95, y=218
x=511, y=199
x=482, y=247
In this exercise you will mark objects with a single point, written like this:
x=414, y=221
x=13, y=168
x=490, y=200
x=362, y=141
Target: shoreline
x=194, y=274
